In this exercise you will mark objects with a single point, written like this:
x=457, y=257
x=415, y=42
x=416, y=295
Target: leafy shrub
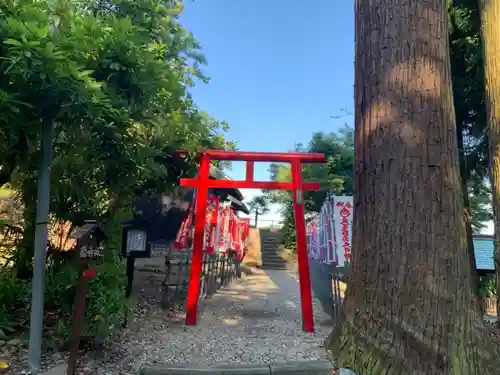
x=60, y=283
x=487, y=286
x=14, y=302
x=113, y=229
x=105, y=305
x=106, y=301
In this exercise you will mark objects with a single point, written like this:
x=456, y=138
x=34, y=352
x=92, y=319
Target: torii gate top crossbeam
x=270, y=157
x=251, y=158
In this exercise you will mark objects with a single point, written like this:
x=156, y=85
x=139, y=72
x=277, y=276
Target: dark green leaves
x=113, y=77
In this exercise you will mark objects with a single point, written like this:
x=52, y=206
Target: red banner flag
x=182, y=238
x=212, y=217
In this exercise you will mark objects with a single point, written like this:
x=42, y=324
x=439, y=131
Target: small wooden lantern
x=90, y=239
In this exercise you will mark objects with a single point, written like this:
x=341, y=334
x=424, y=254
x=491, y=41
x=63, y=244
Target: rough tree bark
x=410, y=308
x=490, y=31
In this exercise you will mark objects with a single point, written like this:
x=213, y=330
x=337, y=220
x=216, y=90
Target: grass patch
x=6, y=192
x=287, y=254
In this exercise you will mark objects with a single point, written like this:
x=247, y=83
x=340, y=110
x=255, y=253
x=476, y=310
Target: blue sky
x=279, y=69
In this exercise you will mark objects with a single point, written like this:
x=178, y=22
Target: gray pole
x=40, y=246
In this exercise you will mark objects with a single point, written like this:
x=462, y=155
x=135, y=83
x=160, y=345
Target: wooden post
x=302, y=257
x=130, y=270
x=199, y=229
x=78, y=316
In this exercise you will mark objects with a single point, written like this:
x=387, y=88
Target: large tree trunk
x=410, y=307
x=490, y=30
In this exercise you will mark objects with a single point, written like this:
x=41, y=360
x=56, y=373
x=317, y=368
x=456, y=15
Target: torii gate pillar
x=202, y=183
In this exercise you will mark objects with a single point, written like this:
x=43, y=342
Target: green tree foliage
x=335, y=176
x=470, y=111
x=113, y=78
x=480, y=205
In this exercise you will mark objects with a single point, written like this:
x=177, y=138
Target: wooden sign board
x=91, y=253
x=90, y=239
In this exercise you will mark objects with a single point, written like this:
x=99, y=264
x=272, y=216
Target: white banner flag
x=343, y=214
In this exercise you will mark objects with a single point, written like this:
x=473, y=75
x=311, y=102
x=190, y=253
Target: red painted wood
x=90, y=272
x=249, y=171
x=240, y=184
x=199, y=228
x=271, y=157
x=303, y=260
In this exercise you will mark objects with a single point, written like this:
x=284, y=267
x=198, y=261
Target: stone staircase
x=271, y=241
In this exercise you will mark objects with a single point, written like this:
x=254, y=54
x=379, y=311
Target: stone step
x=279, y=264
x=273, y=261
x=311, y=367
x=276, y=267
x=273, y=257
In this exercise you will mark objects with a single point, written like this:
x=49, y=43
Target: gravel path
x=255, y=320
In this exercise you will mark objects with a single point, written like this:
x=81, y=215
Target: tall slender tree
x=490, y=32
x=259, y=206
x=410, y=308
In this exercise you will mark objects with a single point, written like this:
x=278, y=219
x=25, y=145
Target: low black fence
x=336, y=296
x=328, y=283
x=217, y=271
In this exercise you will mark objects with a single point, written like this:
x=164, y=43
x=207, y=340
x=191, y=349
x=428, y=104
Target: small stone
x=231, y=336
x=2, y=342
x=57, y=370
x=345, y=371
x=56, y=356
x=14, y=342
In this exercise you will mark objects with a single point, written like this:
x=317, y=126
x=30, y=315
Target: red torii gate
x=202, y=183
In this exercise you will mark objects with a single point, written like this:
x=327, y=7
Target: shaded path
x=255, y=320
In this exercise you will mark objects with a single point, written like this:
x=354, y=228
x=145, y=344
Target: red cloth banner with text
x=212, y=217
x=223, y=237
x=312, y=231
x=343, y=214
x=182, y=238
x=329, y=234
x=233, y=230
x=236, y=234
